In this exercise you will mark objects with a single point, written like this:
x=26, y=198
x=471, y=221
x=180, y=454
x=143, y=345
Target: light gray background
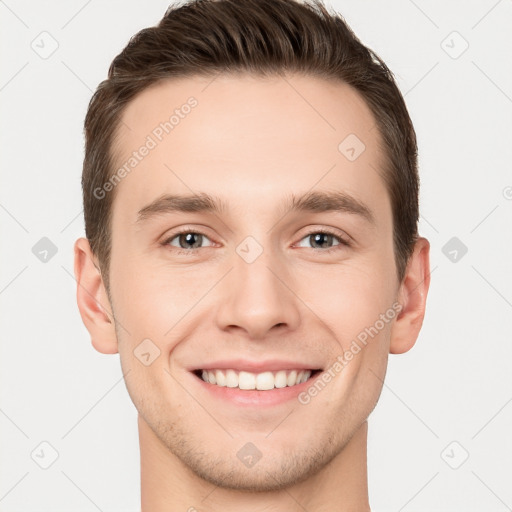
x=447, y=398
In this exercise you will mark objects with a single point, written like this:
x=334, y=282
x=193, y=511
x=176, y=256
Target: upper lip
x=256, y=366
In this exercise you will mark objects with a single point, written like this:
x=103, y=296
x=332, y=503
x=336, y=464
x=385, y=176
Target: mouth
x=250, y=381
x=253, y=384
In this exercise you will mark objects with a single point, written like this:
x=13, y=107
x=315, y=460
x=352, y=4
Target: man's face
x=254, y=287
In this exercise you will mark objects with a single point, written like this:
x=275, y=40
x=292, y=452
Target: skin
x=251, y=142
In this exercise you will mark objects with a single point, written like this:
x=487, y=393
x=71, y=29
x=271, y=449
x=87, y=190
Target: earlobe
x=92, y=299
x=412, y=297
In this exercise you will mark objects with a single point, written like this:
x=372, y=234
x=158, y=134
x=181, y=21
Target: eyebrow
x=313, y=202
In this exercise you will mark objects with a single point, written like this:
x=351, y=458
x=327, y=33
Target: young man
x=251, y=205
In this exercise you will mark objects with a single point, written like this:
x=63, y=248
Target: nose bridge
x=255, y=297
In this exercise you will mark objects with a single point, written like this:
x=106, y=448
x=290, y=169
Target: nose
x=257, y=297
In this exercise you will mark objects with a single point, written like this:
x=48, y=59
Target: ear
x=412, y=296
x=93, y=302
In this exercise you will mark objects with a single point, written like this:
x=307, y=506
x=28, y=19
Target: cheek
x=351, y=305
x=152, y=307
x=151, y=300
x=348, y=298
x=164, y=305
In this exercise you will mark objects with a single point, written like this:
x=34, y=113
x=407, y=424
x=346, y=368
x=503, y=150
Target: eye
x=187, y=241
x=323, y=239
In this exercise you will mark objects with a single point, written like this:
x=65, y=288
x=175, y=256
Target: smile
x=257, y=381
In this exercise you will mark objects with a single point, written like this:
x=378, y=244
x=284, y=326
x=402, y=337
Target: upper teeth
x=261, y=381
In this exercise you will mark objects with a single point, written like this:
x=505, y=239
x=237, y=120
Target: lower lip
x=254, y=397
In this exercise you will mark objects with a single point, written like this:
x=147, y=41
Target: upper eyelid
x=184, y=232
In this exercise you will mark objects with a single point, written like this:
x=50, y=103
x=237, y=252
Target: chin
x=270, y=473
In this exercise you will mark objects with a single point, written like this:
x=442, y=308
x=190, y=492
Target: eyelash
x=342, y=241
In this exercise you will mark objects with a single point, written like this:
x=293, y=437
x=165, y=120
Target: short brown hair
x=262, y=37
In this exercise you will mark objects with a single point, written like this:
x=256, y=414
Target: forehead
x=249, y=140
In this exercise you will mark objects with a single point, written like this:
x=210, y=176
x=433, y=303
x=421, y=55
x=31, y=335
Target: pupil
x=319, y=236
x=189, y=239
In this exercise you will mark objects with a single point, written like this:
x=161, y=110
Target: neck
x=168, y=485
